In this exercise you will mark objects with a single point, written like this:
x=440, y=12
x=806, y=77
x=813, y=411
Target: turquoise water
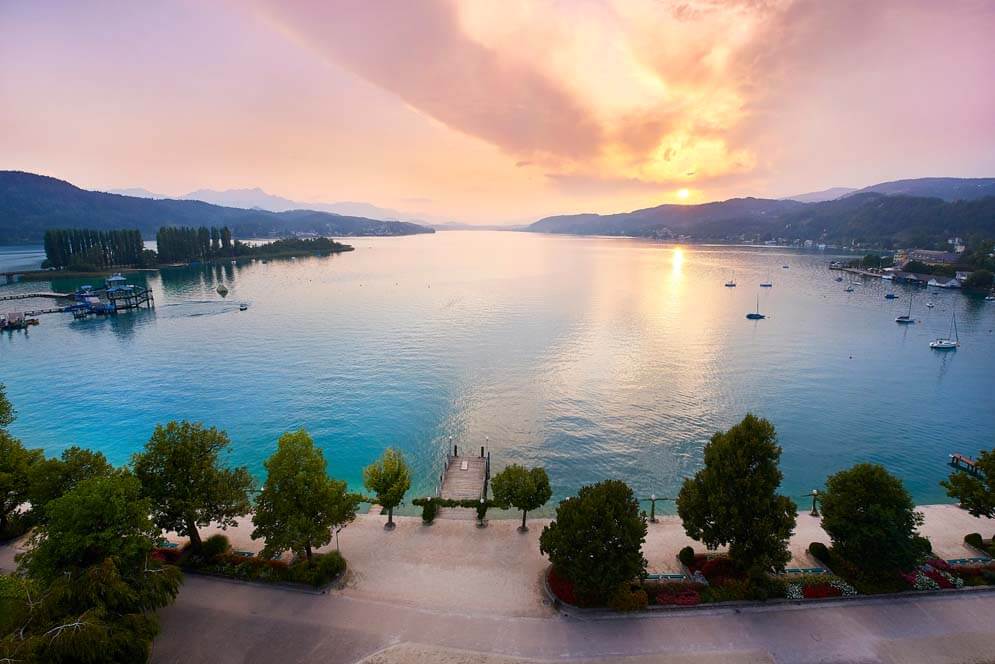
x=595, y=357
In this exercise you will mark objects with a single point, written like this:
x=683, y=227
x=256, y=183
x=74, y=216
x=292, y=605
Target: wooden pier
x=464, y=478
x=965, y=463
x=29, y=296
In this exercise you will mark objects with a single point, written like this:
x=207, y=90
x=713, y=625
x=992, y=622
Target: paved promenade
x=450, y=591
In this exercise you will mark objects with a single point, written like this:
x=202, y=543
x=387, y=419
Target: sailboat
x=947, y=343
x=756, y=315
x=768, y=283
x=906, y=319
x=732, y=281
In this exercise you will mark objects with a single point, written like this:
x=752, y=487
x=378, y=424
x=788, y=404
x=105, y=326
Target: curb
x=280, y=585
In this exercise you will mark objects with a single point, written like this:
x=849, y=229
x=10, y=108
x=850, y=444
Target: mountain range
x=30, y=204
x=923, y=212
x=256, y=198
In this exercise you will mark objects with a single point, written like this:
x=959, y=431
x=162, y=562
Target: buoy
x=222, y=289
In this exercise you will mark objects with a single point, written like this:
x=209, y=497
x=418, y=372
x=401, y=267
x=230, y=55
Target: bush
x=974, y=539
x=686, y=556
x=322, y=569
x=563, y=589
x=428, y=511
x=627, y=599
x=820, y=552
x=214, y=546
x=674, y=593
x=721, y=569
x=731, y=590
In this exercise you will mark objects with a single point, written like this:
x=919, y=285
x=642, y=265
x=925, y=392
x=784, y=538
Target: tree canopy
x=733, y=500
x=15, y=466
x=98, y=587
x=522, y=488
x=7, y=412
x=389, y=478
x=300, y=505
x=871, y=520
x=180, y=472
x=596, y=540
x=53, y=478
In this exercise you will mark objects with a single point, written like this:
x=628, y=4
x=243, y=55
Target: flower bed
x=323, y=569
x=818, y=586
x=674, y=593
x=563, y=589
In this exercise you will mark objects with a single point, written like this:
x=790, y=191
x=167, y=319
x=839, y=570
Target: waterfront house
x=944, y=282
x=933, y=257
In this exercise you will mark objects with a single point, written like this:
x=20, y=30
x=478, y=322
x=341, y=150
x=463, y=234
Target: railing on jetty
x=464, y=478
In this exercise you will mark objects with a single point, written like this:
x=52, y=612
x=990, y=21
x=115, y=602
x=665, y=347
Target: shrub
x=169, y=556
x=214, y=546
x=974, y=539
x=820, y=590
x=719, y=570
x=429, y=510
x=686, y=556
x=562, y=588
x=732, y=590
x=820, y=552
x=322, y=569
x=675, y=593
x=627, y=599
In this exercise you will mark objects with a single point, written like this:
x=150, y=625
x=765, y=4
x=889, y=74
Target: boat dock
x=463, y=478
x=29, y=296
x=965, y=463
x=115, y=296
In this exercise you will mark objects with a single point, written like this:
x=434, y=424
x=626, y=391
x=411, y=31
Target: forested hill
x=866, y=218
x=30, y=204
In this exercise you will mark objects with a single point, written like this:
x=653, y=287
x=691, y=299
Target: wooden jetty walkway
x=463, y=478
x=965, y=463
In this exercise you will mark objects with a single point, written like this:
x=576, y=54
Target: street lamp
x=814, y=494
x=480, y=514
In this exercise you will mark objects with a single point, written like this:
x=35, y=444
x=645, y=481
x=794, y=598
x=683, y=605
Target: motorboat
x=243, y=306
x=732, y=281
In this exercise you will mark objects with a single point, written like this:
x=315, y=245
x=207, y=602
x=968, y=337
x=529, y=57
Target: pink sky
x=498, y=111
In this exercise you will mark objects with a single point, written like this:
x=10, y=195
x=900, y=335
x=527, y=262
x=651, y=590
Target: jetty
x=965, y=463
x=116, y=295
x=463, y=477
x=31, y=296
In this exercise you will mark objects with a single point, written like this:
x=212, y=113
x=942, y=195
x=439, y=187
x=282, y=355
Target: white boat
x=930, y=305
x=732, y=281
x=948, y=342
x=990, y=298
x=243, y=306
x=906, y=319
x=890, y=295
x=888, y=277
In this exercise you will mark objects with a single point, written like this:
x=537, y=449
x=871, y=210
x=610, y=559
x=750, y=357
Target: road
x=228, y=623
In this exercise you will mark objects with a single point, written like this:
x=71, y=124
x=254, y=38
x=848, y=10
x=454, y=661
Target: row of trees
x=183, y=243
x=596, y=539
x=90, y=249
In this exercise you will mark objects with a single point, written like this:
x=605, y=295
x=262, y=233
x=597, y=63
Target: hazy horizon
x=499, y=112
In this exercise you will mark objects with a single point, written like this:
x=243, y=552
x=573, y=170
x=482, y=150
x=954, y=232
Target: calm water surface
x=594, y=357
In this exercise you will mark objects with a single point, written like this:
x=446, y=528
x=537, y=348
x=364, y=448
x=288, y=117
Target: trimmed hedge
x=974, y=539
x=820, y=552
x=686, y=556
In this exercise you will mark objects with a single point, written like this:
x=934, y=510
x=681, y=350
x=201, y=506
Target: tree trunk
x=192, y=532
x=307, y=551
x=390, y=516
x=524, y=527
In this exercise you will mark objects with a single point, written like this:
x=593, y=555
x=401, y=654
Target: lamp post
x=480, y=514
x=653, y=508
x=814, y=494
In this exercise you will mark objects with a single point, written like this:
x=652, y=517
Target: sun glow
x=683, y=194
x=677, y=260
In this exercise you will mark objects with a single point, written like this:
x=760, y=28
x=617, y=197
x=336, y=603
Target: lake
x=594, y=357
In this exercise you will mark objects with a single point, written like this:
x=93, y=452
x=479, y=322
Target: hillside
x=949, y=189
x=30, y=204
x=865, y=218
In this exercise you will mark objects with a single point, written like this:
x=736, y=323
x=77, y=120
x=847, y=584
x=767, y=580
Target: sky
x=498, y=111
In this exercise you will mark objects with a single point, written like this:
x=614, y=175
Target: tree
x=52, y=478
x=300, y=505
x=871, y=520
x=979, y=279
x=98, y=587
x=389, y=478
x=976, y=494
x=15, y=467
x=596, y=540
x=524, y=489
x=180, y=473
x=733, y=500
x=7, y=412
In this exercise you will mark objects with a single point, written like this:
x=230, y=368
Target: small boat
x=907, y=318
x=890, y=295
x=785, y=267
x=234, y=262
x=732, y=281
x=990, y=298
x=768, y=283
x=849, y=289
x=930, y=305
x=888, y=277
x=947, y=343
x=756, y=315
x=839, y=278
x=243, y=306
x=222, y=289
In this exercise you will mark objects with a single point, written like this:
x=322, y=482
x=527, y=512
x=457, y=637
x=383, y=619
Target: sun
x=683, y=194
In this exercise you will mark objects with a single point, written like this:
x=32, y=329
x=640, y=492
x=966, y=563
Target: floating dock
x=463, y=478
x=117, y=295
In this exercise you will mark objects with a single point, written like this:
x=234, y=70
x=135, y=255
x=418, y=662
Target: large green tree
x=300, y=506
x=181, y=472
x=733, y=500
x=6, y=409
x=389, y=478
x=15, y=467
x=53, y=478
x=522, y=488
x=97, y=587
x=872, y=520
x=975, y=493
x=596, y=540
